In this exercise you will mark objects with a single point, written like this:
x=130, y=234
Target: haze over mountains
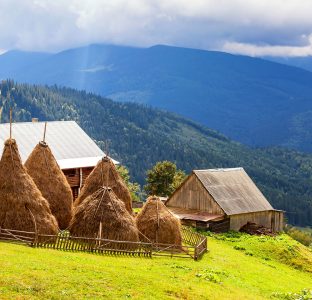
x=251, y=100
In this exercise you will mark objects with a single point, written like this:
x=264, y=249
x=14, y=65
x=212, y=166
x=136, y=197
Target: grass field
x=237, y=266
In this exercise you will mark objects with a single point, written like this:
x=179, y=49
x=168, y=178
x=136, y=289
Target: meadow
x=237, y=266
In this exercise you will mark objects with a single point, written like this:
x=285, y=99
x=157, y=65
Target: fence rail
x=194, y=244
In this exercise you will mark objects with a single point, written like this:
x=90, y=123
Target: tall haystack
x=51, y=181
x=22, y=206
x=157, y=224
x=105, y=174
x=103, y=215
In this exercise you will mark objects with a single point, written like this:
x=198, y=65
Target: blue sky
x=252, y=27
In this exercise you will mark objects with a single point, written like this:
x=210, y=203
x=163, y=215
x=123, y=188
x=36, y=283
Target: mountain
x=304, y=62
x=140, y=136
x=13, y=61
x=251, y=100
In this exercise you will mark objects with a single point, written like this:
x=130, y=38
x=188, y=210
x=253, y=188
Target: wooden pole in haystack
x=157, y=222
x=107, y=155
x=10, y=123
x=107, y=175
x=106, y=148
x=45, y=130
x=105, y=182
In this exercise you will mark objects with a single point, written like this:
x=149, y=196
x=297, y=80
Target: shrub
x=302, y=237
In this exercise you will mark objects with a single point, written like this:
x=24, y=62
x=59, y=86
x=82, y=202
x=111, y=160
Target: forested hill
x=140, y=136
x=251, y=100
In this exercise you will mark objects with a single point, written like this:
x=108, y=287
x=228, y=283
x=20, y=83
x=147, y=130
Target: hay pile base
x=22, y=206
x=103, y=215
x=51, y=181
x=105, y=174
x=255, y=229
x=158, y=225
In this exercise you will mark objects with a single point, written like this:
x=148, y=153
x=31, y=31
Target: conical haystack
x=22, y=206
x=157, y=224
x=51, y=181
x=103, y=215
x=105, y=174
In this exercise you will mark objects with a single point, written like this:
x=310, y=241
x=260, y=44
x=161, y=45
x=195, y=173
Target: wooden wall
x=277, y=220
x=269, y=219
x=192, y=195
x=76, y=178
x=85, y=173
x=72, y=176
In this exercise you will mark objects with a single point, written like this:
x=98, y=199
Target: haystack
x=22, y=206
x=103, y=215
x=105, y=174
x=157, y=224
x=51, y=181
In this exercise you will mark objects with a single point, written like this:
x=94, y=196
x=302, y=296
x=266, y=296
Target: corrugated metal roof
x=233, y=190
x=71, y=146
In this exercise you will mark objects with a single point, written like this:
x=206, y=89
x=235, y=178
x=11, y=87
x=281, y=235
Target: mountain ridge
x=251, y=100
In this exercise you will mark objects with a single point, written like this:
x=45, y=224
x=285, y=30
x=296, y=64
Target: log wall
x=269, y=219
x=76, y=178
x=192, y=195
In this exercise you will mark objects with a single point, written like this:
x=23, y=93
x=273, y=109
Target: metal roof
x=71, y=146
x=233, y=190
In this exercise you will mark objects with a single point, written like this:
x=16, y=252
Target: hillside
x=237, y=266
x=304, y=62
x=251, y=100
x=140, y=136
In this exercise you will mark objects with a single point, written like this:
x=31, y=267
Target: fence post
x=196, y=253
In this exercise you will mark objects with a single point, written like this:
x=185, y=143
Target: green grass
x=237, y=267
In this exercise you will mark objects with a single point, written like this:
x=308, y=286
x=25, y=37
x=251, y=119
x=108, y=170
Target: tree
x=163, y=179
x=134, y=187
x=178, y=178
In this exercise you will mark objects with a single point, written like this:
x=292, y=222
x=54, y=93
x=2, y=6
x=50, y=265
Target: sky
x=250, y=27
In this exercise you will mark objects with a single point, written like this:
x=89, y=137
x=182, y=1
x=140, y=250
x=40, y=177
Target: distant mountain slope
x=13, y=61
x=251, y=100
x=141, y=136
x=304, y=62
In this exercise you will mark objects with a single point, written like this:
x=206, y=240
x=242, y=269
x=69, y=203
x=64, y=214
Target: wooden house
x=222, y=200
x=76, y=153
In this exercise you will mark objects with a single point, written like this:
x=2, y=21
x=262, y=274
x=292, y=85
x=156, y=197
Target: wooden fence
x=194, y=244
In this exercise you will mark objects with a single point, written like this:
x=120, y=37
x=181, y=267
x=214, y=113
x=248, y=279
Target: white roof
x=70, y=145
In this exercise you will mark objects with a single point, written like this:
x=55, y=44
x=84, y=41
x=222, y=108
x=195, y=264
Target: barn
x=222, y=200
x=75, y=152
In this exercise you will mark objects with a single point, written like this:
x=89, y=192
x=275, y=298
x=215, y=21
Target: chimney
x=35, y=120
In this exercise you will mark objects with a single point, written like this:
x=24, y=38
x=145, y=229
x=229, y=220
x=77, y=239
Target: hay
x=157, y=224
x=103, y=207
x=105, y=174
x=22, y=206
x=51, y=181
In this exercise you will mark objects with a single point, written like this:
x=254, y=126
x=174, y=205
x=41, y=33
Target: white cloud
x=233, y=25
x=268, y=50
